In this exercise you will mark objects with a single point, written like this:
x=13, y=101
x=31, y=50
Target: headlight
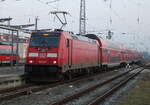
x=54, y=62
x=30, y=61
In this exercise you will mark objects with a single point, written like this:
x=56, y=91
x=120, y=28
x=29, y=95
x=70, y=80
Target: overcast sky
x=124, y=15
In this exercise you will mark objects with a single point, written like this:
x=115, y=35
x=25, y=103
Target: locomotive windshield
x=44, y=40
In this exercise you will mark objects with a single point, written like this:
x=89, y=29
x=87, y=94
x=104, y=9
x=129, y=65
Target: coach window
x=67, y=43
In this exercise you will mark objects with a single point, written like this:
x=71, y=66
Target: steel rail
x=4, y=91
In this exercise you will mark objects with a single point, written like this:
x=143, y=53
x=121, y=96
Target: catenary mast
x=82, y=21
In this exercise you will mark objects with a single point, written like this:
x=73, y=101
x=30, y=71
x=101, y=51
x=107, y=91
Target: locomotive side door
x=69, y=50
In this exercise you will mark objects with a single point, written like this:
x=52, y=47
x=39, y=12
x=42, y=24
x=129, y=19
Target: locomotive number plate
x=42, y=55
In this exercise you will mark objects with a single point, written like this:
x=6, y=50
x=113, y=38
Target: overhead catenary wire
x=48, y=3
x=52, y=1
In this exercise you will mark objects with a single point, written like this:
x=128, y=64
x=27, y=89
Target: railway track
x=7, y=94
x=102, y=97
x=11, y=93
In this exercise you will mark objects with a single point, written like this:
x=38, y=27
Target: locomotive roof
x=76, y=37
x=49, y=31
x=41, y=32
x=83, y=38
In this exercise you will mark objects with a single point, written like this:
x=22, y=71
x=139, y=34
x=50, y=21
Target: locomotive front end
x=42, y=56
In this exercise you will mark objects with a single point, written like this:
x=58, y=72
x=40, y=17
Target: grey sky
x=124, y=15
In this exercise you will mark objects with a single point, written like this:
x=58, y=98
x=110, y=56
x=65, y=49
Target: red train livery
x=5, y=53
x=57, y=54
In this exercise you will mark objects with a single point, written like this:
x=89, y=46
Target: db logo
x=42, y=55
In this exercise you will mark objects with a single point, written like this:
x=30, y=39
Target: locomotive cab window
x=67, y=43
x=46, y=40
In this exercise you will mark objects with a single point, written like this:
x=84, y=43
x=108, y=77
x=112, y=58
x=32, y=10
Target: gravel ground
x=10, y=71
x=49, y=95
x=116, y=98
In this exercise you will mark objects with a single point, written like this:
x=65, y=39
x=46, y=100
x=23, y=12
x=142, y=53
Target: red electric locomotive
x=57, y=54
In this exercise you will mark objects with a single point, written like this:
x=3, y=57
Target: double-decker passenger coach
x=6, y=54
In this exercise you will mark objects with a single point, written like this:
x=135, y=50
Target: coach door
x=99, y=56
x=69, y=46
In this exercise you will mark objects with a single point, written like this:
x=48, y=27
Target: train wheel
x=70, y=76
x=61, y=77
